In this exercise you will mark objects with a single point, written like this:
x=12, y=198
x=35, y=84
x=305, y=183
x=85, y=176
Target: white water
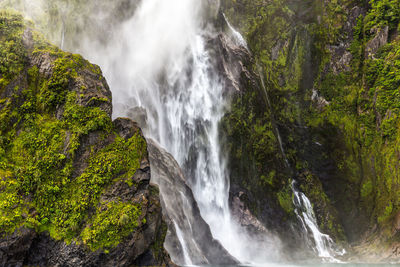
x=159, y=62
x=181, y=239
x=236, y=35
x=323, y=243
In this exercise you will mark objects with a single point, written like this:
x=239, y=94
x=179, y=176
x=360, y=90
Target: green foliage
x=291, y=42
x=260, y=146
x=113, y=222
x=364, y=105
x=383, y=13
x=12, y=207
x=285, y=199
x=42, y=127
x=12, y=52
x=63, y=72
x=387, y=213
x=83, y=120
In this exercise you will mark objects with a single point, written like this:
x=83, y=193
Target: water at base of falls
x=323, y=243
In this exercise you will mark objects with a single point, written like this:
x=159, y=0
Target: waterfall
x=236, y=35
x=323, y=243
x=62, y=35
x=161, y=74
x=158, y=63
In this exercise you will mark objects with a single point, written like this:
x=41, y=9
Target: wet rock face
x=81, y=87
x=381, y=38
x=340, y=54
x=281, y=50
x=183, y=215
x=359, y=45
x=232, y=61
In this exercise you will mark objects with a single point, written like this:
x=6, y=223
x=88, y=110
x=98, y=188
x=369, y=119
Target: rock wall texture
x=331, y=97
x=74, y=185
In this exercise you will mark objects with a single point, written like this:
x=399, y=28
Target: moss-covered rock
x=330, y=73
x=73, y=183
x=363, y=107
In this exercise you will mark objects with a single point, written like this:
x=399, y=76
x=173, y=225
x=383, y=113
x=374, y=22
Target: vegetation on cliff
x=363, y=105
x=60, y=152
x=331, y=74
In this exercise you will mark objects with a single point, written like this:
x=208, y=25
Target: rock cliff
x=74, y=185
x=329, y=69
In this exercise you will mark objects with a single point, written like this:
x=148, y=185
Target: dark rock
x=183, y=215
x=125, y=127
x=15, y=248
x=340, y=55
x=380, y=39
x=319, y=101
x=231, y=61
x=341, y=58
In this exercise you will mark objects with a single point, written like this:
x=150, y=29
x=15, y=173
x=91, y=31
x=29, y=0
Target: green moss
x=41, y=184
x=383, y=13
x=12, y=52
x=358, y=131
x=12, y=207
x=386, y=213
x=81, y=119
x=365, y=108
x=120, y=160
x=285, y=199
x=367, y=189
x=113, y=222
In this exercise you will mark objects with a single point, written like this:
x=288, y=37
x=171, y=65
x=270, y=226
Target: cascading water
x=323, y=244
x=161, y=65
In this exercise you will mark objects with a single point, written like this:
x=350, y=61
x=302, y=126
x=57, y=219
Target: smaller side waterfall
x=323, y=243
x=238, y=38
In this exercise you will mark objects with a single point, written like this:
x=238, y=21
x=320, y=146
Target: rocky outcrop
x=381, y=37
x=189, y=236
x=340, y=55
x=232, y=58
x=74, y=185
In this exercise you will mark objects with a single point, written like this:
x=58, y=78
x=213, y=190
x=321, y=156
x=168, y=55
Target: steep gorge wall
x=330, y=73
